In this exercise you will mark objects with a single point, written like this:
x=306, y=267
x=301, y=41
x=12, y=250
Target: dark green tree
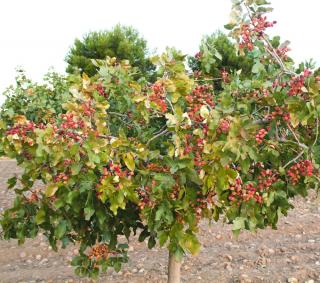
x=217, y=52
x=121, y=42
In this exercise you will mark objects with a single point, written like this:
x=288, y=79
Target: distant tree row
x=216, y=52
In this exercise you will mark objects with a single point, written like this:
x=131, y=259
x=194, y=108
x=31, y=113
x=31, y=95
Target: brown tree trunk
x=174, y=268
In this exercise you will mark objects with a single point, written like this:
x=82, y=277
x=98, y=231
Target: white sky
x=37, y=34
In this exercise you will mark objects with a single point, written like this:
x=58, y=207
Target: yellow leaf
x=175, y=97
x=51, y=190
x=129, y=160
x=171, y=120
x=171, y=150
x=139, y=98
x=204, y=112
x=20, y=119
x=85, y=81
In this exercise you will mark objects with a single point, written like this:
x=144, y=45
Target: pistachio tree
x=130, y=157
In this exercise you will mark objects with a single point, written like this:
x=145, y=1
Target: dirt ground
x=289, y=254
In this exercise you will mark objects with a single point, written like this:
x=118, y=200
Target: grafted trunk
x=174, y=268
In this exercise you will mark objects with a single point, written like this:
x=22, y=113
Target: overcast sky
x=37, y=34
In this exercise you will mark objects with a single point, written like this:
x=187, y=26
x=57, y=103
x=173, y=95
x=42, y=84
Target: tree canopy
x=130, y=156
x=121, y=42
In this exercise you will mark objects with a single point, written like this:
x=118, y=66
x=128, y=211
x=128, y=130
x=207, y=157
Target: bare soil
x=289, y=254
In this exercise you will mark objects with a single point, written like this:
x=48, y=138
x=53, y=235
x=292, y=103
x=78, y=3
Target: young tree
x=132, y=157
x=37, y=102
x=121, y=42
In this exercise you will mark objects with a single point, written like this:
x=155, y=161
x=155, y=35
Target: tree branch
x=294, y=134
x=302, y=145
x=118, y=114
x=271, y=50
x=294, y=159
x=317, y=133
x=158, y=135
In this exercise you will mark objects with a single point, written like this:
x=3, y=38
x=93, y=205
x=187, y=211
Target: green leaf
x=160, y=212
x=60, y=229
x=40, y=216
x=75, y=168
x=51, y=190
x=128, y=159
x=261, y=2
x=193, y=176
x=117, y=266
x=88, y=212
x=143, y=235
x=12, y=182
x=238, y=224
x=192, y=244
x=175, y=97
x=163, y=237
x=179, y=253
x=258, y=68
x=151, y=242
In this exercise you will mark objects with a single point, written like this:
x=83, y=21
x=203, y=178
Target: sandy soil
x=289, y=254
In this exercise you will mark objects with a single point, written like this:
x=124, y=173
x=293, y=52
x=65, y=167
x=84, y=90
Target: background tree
x=37, y=102
x=121, y=42
x=218, y=52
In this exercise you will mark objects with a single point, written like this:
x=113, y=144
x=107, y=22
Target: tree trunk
x=174, y=268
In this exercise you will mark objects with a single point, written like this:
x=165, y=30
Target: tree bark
x=174, y=268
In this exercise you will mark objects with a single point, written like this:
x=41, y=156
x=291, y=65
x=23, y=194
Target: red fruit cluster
x=61, y=177
x=194, y=145
x=111, y=171
x=144, y=196
x=201, y=95
x=158, y=96
x=225, y=76
x=33, y=197
x=116, y=170
x=99, y=251
x=101, y=90
x=224, y=126
x=198, y=160
x=22, y=129
x=282, y=52
x=240, y=192
x=198, y=55
x=260, y=135
x=278, y=83
x=297, y=83
x=157, y=168
x=71, y=122
x=301, y=169
x=202, y=203
x=258, y=26
x=197, y=74
x=246, y=41
x=266, y=179
x=279, y=113
x=88, y=110
x=265, y=92
x=67, y=162
x=174, y=194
